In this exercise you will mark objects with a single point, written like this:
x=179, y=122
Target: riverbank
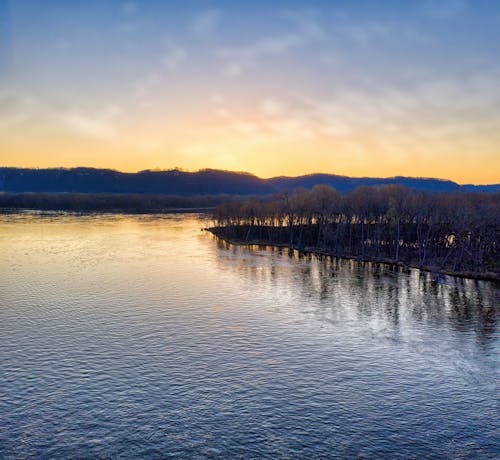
x=107, y=211
x=110, y=202
x=487, y=276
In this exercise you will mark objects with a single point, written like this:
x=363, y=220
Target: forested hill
x=207, y=181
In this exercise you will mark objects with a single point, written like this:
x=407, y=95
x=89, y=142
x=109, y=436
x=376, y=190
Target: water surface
x=141, y=336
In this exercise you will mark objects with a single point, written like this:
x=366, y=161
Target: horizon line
x=181, y=169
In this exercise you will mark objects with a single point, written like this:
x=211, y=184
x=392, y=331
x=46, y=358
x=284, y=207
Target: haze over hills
x=206, y=181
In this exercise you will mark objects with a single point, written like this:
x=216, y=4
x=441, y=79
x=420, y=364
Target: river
x=142, y=336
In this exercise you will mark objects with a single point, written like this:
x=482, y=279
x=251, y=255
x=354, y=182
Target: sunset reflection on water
x=141, y=335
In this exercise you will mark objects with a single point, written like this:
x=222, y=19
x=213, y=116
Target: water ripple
x=142, y=337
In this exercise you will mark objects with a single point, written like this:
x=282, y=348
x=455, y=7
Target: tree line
x=108, y=202
x=454, y=232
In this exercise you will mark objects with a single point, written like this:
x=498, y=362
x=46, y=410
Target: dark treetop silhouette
x=448, y=232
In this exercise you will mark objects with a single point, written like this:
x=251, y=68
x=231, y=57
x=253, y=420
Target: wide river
x=144, y=337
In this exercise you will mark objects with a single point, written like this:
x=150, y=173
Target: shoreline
x=200, y=210
x=488, y=276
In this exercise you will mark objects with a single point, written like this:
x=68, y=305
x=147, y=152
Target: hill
x=203, y=182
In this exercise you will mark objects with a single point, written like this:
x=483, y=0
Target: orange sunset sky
x=357, y=88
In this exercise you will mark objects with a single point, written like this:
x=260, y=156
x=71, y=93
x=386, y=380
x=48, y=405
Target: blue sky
x=350, y=87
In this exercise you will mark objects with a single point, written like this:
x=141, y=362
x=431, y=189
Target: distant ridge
x=206, y=181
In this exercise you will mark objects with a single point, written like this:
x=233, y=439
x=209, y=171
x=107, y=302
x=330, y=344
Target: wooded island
x=455, y=233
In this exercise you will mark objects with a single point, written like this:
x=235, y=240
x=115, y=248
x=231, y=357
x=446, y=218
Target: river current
x=144, y=337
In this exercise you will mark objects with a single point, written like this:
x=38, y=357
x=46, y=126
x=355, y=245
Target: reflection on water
x=141, y=336
x=397, y=298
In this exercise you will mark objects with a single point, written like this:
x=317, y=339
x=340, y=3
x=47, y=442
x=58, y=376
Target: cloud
x=306, y=29
x=442, y=108
x=428, y=118
x=366, y=33
x=330, y=59
x=444, y=8
x=22, y=113
x=89, y=125
x=17, y=108
x=272, y=107
x=217, y=99
x=442, y=111
x=97, y=124
x=174, y=55
x=245, y=127
x=206, y=23
x=222, y=112
x=306, y=23
x=267, y=46
x=130, y=8
x=373, y=32
x=234, y=68
x=144, y=86
x=239, y=59
x=220, y=108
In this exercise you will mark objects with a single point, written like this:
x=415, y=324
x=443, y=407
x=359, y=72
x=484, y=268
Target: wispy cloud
x=307, y=23
x=94, y=124
x=17, y=108
x=206, y=22
x=439, y=109
x=445, y=8
x=365, y=33
x=272, y=107
x=238, y=59
x=174, y=55
x=143, y=87
x=130, y=8
x=22, y=113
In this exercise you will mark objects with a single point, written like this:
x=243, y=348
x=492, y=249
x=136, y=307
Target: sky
x=351, y=87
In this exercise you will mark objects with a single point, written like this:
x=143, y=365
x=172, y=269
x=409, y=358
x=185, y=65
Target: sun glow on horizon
x=314, y=87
